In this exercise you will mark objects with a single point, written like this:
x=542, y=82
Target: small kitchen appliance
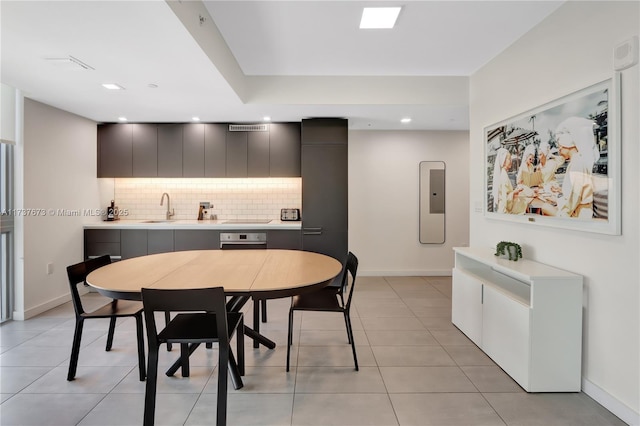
x=112, y=212
x=289, y=214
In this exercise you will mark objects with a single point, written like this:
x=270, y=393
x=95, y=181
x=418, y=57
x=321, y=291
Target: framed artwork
x=558, y=164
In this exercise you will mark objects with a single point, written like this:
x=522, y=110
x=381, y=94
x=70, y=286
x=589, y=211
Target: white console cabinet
x=525, y=315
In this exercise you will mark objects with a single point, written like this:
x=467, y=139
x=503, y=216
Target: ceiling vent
x=69, y=63
x=248, y=127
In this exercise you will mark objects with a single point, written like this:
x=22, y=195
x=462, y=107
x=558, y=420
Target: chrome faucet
x=170, y=211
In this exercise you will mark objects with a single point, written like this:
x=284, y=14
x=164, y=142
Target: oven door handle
x=242, y=243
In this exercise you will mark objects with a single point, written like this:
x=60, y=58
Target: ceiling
x=238, y=61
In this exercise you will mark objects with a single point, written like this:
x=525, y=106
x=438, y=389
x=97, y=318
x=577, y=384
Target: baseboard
x=405, y=273
x=609, y=402
x=37, y=310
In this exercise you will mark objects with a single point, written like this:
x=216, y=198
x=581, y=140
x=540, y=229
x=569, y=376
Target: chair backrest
x=209, y=300
x=351, y=268
x=78, y=274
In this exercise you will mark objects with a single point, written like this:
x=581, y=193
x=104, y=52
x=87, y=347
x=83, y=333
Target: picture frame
x=558, y=164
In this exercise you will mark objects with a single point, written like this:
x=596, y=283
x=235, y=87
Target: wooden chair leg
x=112, y=329
x=75, y=350
x=150, y=388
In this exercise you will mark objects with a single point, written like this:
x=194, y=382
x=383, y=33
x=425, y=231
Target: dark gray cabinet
x=127, y=150
x=198, y=150
x=284, y=239
x=193, y=158
x=237, y=151
x=257, y=154
x=133, y=243
x=170, y=150
x=159, y=241
x=215, y=150
x=98, y=242
x=127, y=243
x=247, y=154
x=144, y=150
x=284, y=150
x=192, y=239
x=325, y=187
x=115, y=144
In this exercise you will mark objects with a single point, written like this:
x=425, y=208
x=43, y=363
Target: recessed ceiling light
x=195, y=118
x=112, y=86
x=379, y=17
x=122, y=118
x=266, y=118
x=406, y=120
x=152, y=86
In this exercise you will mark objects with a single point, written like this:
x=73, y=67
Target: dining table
x=244, y=274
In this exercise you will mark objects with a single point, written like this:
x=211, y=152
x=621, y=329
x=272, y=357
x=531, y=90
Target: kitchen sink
x=158, y=221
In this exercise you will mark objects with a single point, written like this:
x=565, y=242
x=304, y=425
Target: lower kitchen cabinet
x=188, y=239
x=128, y=243
x=98, y=242
x=284, y=239
x=159, y=241
x=331, y=243
x=524, y=315
x=133, y=243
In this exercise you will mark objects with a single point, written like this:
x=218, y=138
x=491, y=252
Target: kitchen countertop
x=193, y=224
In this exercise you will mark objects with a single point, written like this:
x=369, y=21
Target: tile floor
x=415, y=369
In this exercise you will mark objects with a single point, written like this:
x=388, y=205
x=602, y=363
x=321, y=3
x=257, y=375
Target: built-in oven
x=243, y=240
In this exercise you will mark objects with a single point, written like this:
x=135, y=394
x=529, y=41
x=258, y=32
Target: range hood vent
x=248, y=127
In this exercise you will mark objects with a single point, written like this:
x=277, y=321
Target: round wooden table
x=263, y=274
x=244, y=274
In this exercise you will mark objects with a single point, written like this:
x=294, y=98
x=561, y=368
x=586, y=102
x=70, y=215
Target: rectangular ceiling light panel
x=379, y=17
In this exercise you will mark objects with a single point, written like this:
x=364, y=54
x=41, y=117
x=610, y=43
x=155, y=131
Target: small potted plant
x=509, y=250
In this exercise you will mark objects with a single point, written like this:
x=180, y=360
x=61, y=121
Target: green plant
x=503, y=248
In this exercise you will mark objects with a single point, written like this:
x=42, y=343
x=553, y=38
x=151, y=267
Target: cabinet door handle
x=311, y=231
x=482, y=294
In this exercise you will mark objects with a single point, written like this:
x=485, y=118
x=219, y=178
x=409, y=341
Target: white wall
x=570, y=50
x=59, y=172
x=383, y=200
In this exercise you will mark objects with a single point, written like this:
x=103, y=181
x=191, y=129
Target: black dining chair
x=116, y=309
x=326, y=300
x=202, y=318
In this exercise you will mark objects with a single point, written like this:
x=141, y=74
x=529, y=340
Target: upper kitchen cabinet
x=284, y=150
x=247, y=152
x=215, y=150
x=193, y=159
x=115, y=144
x=324, y=131
x=145, y=150
x=170, y=150
x=127, y=150
x=199, y=150
x=257, y=154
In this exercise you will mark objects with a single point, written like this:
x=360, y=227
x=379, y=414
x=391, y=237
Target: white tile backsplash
x=242, y=198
